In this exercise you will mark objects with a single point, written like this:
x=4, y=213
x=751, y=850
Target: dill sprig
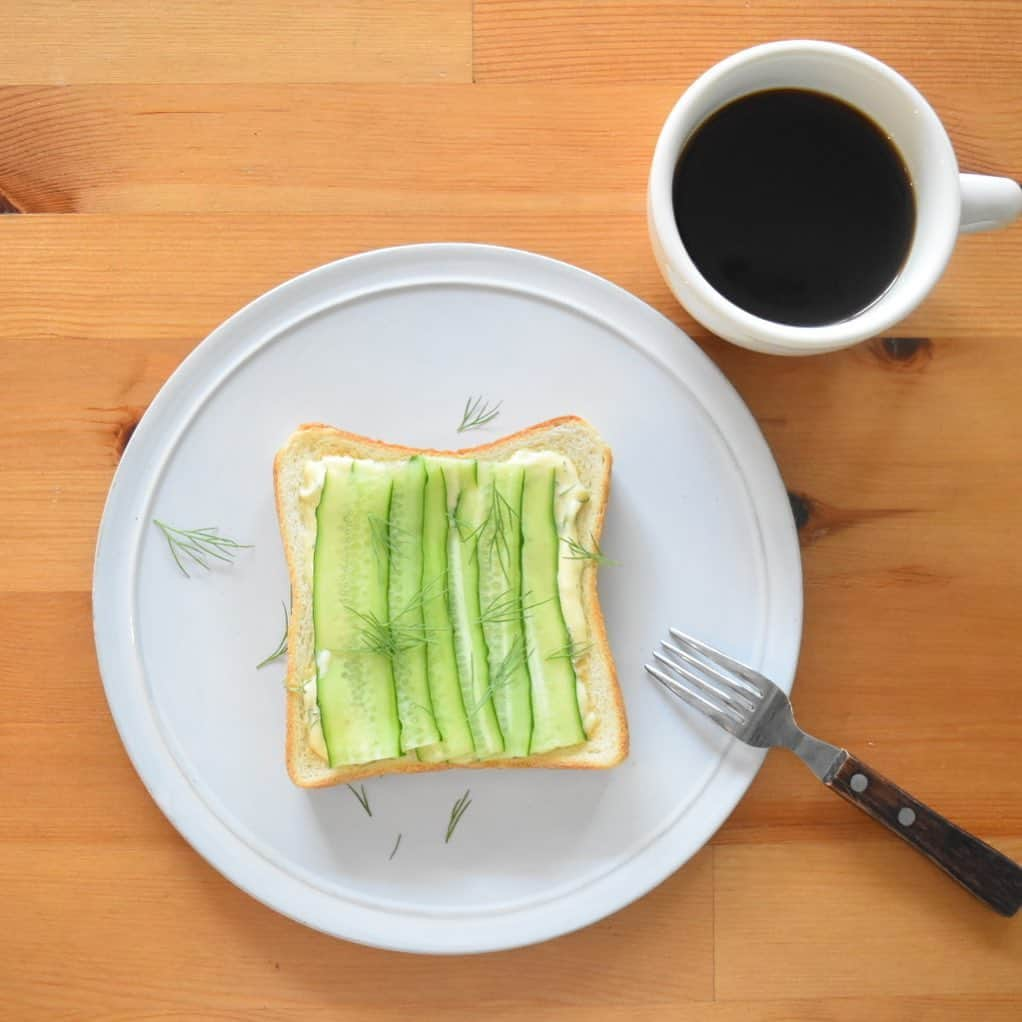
x=383, y=534
x=478, y=412
x=393, y=851
x=379, y=532
x=514, y=658
x=457, y=812
x=281, y=649
x=465, y=531
x=363, y=798
x=198, y=545
x=578, y=552
x=395, y=635
x=494, y=530
x=571, y=651
x=503, y=674
x=387, y=539
x=508, y=607
x=388, y=637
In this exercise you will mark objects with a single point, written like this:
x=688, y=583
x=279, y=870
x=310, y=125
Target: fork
x=754, y=710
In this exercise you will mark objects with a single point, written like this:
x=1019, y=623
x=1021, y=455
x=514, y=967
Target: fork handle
x=980, y=869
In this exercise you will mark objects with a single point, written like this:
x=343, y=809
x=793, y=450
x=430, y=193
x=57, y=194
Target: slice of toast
x=570, y=436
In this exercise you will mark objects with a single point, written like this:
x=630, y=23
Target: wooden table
x=165, y=163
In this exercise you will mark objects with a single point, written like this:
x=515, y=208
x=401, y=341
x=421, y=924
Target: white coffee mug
x=947, y=203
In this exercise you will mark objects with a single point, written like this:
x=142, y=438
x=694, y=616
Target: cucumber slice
x=405, y=598
x=442, y=667
x=465, y=502
x=500, y=597
x=557, y=721
x=355, y=685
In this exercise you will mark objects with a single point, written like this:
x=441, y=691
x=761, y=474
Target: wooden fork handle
x=980, y=869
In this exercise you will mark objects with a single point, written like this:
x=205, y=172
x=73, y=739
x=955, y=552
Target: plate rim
x=737, y=764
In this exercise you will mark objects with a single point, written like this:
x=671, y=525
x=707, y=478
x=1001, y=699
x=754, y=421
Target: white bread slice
x=570, y=436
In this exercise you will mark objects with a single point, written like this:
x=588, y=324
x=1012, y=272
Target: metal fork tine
x=741, y=705
x=696, y=701
x=735, y=690
x=757, y=684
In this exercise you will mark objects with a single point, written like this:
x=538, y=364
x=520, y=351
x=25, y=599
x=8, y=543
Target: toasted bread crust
x=325, y=439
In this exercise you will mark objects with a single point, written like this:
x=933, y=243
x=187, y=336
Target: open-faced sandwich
x=444, y=604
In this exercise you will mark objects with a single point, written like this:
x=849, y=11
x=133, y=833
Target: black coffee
x=795, y=206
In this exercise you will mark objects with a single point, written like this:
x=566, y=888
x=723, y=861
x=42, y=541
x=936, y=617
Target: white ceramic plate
x=390, y=344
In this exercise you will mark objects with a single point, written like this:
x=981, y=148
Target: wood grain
x=936, y=43
x=55, y=266
x=907, y=931
x=345, y=148
x=164, y=165
x=63, y=42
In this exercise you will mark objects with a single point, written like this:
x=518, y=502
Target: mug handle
x=988, y=202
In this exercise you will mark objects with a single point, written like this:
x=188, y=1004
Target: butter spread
x=317, y=740
x=570, y=497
